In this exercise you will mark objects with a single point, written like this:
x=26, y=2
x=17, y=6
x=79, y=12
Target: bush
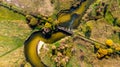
x=109, y=42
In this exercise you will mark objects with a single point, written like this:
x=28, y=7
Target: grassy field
x=6, y=14
x=14, y=31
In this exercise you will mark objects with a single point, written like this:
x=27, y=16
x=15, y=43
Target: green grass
x=6, y=14
x=12, y=36
x=9, y=44
x=115, y=38
x=14, y=31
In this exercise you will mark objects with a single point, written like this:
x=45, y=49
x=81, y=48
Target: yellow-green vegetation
x=118, y=22
x=33, y=22
x=63, y=5
x=87, y=28
x=47, y=25
x=110, y=49
x=50, y=19
x=13, y=30
x=28, y=17
x=109, y=17
x=6, y=14
x=9, y=44
x=12, y=35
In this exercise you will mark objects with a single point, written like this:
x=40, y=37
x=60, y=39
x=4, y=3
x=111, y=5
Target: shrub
x=109, y=42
